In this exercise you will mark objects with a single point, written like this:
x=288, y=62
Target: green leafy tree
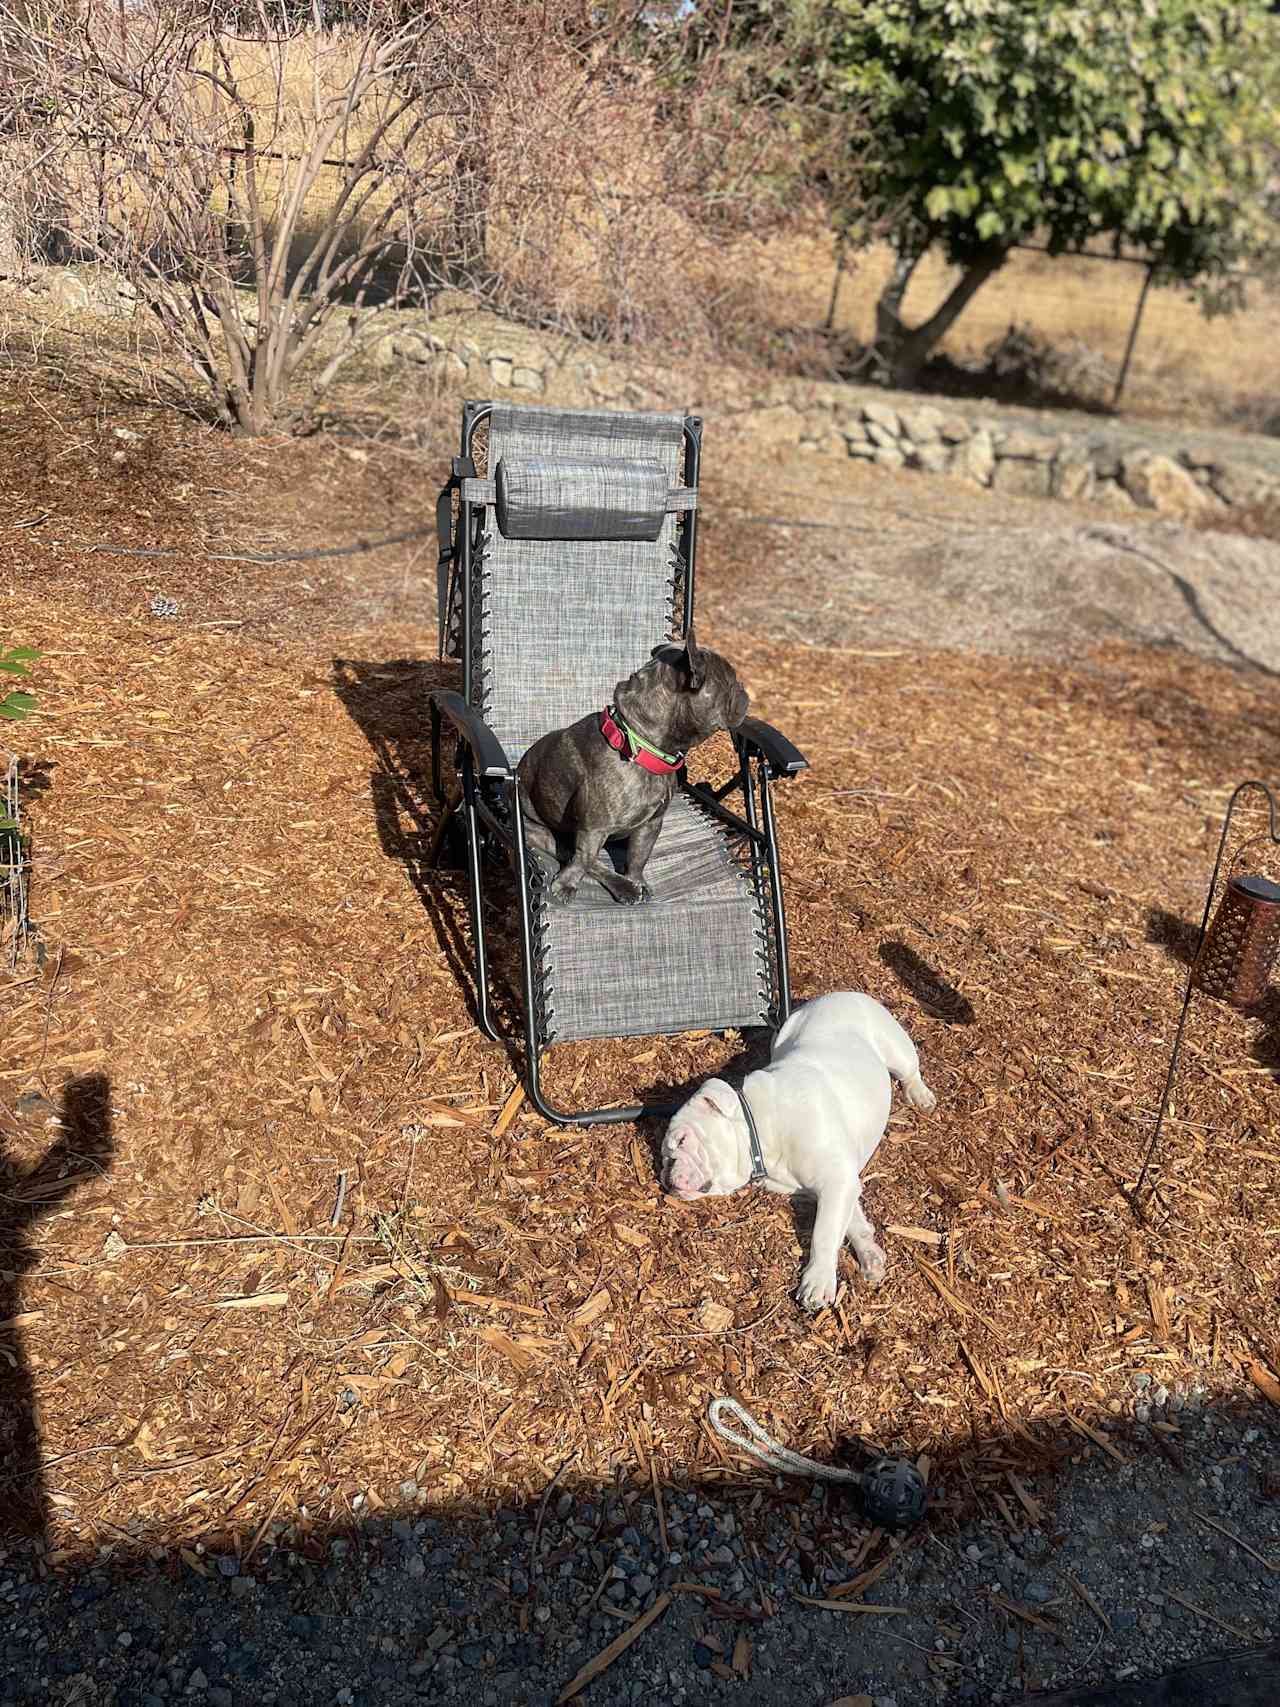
x=1150, y=123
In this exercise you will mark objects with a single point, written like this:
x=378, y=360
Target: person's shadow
x=82, y=1150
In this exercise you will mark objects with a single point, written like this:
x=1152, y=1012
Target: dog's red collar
x=623, y=740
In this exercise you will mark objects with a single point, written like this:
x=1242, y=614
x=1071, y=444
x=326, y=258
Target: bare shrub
x=271, y=193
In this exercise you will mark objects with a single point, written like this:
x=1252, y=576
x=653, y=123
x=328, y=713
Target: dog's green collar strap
x=620, y=735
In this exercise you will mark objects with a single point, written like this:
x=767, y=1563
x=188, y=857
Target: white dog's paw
x=818, y=1287
x=920, y=1096
x=873, y=1263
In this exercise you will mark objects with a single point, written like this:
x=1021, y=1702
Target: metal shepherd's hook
x=1236, y=962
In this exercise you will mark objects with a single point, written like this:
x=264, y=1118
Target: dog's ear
x=696, y=666
x=715, y=1103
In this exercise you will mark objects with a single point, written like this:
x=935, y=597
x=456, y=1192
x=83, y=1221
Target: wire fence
x=1047, y=297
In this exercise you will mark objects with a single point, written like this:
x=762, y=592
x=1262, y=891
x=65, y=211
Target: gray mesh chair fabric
x=571, y=498
x=560, y=622
x=691, y=956
x=563, y=621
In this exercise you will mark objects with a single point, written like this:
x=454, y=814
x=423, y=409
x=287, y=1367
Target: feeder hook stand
x=1274, y=833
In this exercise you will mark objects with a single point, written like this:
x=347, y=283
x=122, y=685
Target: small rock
x=70, y=291
x=197, y=1680
x=975, y=460
x=1072, y=476
x=1158, y=483
x=220, y=1698
x=923, y=426
x=416, y=1566
x=501, y=369
x=888, y=457
x=1038, y=1592
x=881, y=436
x=1024, y=479
x=1238, y=485
x=527, y=379
x=932, y=459
x=954, y=429
x=1027, y=446
x=882, y=415
x=641, y=1584
x=702, y=1657
x=124, y=1639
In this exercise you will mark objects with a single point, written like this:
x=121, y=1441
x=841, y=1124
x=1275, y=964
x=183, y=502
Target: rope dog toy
x=893, y=1491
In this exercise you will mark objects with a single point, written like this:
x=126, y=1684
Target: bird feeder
x=1235, y=954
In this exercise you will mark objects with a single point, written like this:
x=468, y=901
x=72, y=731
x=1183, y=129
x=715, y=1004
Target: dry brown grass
x=1225, y=371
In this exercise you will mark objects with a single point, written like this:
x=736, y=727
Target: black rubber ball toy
x=893, y=1493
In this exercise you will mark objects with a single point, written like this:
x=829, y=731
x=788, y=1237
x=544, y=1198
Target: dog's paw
x=628, y=892
x=818, y=1287
x=920, y=1096
x=873, y=1263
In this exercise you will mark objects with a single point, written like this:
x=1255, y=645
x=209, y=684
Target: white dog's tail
x=899, y=1055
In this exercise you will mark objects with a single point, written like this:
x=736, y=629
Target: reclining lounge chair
x=567, y=543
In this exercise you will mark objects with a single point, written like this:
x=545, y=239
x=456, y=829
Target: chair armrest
x=754, y=736
x=491, y=762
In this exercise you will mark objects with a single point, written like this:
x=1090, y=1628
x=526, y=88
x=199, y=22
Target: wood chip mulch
x=297, y=1241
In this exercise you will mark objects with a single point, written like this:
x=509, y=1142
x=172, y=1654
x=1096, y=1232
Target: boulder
x=1072, y=476
x=923, y=426
x=1023, y=478
x=1235, y=483
x=884, y=415
x=932, y=459
x=1157, y=482
x=1112, y=492
x=1023, y=445
x=974, y=461
x=69, y=290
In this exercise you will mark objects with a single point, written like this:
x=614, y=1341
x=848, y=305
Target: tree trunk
x=905, y=349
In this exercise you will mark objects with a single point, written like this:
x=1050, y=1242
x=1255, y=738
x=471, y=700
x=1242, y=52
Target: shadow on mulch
x=1168, y=931
x=82, y=1151
x=389, y=700
x=936, y=995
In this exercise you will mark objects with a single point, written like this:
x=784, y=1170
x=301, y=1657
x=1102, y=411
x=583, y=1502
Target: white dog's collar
x=759, y=1173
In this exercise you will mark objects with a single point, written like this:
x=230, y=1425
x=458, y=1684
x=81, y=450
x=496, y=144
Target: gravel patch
x=1131, y=1569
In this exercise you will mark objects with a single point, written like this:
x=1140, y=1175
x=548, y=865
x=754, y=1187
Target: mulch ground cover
x=286, y=1234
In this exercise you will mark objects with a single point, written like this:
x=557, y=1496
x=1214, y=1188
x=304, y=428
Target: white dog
x=819, y=1110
